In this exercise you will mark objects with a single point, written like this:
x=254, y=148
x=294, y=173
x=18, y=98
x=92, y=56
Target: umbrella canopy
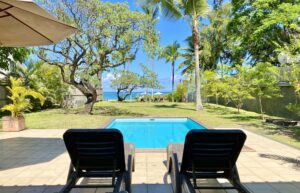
x=158, y=93
x=24, y=23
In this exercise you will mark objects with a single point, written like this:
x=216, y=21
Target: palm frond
x=169, y=7
x=199, y=8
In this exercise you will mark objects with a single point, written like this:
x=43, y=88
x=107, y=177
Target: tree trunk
x=100, y=91
x=261, y=107
x=147, y=91
x=120, y=98
x=217, y=99
x=173, y=74
x=88, y=106
x=89, y=92
x=199, y=105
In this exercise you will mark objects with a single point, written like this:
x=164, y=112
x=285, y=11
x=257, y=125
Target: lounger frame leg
x=236, y=181
x=174, y=173
x=187, y=186
x=119, y=183
x=72, y=179
x=128, y=177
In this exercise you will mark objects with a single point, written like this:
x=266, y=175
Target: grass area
x=212, y=116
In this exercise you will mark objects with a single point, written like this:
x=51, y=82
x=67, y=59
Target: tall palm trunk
x=152, y=80
x=173, y=74
x=199, y=105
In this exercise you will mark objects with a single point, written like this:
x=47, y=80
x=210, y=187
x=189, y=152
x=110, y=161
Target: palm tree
x=191, y=11
x=187, y=66
x=153, y=13
x=171, y=54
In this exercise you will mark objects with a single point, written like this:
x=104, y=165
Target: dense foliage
x=11, y=56
x=125, y=82
x=264, y=82
x=109, y=36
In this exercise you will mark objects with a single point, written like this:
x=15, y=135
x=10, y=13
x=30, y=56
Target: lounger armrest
x=130, y=151
x=178, y=150
x=173, y=169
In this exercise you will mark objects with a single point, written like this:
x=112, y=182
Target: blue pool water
x=156, y=132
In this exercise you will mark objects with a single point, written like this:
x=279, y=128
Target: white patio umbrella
x=24, y=23
x=158, y=93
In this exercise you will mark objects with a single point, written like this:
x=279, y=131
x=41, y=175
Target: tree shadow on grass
x=242, y=118
x=173, y=106
x=219, y=110
x=104, y=111
x=114, y=111
x=166, y=106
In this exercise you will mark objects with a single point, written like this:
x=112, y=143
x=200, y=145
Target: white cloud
x=108, y=77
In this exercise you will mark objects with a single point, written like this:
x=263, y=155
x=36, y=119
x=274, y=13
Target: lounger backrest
x=95, y=149
x=212, y=150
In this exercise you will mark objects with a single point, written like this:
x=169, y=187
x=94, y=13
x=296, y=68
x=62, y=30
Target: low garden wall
x=274, y=106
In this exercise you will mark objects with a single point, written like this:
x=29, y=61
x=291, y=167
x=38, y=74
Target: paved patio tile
x=140, y=188
x=36, y=161
x=33, y=189
x=9, y=189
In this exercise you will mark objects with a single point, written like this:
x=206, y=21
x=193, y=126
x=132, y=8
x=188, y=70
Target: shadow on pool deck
x=25, y=151
x=295, y=162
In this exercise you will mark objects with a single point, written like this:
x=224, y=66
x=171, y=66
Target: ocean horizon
x=111, y=95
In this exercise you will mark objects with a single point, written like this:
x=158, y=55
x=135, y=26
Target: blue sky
x=170, y=31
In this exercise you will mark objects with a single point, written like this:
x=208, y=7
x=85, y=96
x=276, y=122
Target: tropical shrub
x=19, y=97
x=48, y=81
x=238, y=88
x=264, y=82
x=179, y=94
x=212, y=86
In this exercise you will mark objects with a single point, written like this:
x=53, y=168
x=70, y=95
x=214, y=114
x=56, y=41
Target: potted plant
x=20, y=104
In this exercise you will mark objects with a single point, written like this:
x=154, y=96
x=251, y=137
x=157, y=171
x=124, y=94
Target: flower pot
x=10, y=124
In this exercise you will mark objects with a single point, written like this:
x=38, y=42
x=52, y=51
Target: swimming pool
x=154, y=132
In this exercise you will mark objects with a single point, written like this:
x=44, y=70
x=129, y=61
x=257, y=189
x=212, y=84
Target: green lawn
x=212, y=116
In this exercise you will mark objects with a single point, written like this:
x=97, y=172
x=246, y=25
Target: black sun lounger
x=99, y=153
x=206, y=154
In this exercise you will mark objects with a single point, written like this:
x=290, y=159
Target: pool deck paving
x=36, y=161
